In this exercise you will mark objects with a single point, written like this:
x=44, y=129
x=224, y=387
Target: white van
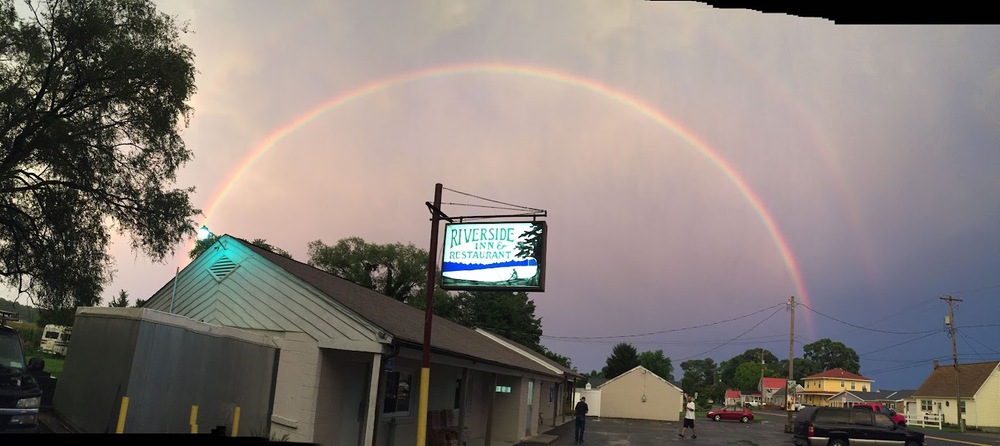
x=55, y=339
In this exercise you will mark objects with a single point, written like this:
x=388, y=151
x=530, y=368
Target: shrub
x=30, y=335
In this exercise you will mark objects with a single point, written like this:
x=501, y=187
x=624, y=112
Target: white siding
x=987, y=402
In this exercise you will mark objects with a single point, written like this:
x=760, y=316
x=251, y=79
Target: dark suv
x=841, y=426
x=20, y=395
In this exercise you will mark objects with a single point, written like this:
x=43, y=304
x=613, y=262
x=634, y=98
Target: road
x=768, y=430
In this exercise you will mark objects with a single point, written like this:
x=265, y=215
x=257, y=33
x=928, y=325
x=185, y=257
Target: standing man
x=581, y=418
x=689, y=418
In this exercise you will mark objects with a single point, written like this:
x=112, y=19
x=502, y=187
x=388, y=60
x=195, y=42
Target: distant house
x=978, y=386
x=896, y=399
x=890, y=398
x=642, y=395
x=819, y=389
x=848, y=398
x=750, y=399
x=733, y=398
x=780, y=399
x=768, y=387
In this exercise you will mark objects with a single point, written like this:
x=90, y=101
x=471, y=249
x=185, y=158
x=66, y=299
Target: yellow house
x=819, y=388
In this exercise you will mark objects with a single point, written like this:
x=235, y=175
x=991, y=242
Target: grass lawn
x=53, y=363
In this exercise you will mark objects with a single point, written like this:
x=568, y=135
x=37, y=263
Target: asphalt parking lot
x=767, y=431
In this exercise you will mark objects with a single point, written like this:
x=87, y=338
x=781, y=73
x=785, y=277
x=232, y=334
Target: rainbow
x=545, y=74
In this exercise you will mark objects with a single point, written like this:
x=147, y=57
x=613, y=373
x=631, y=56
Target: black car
x=840, y=426
x=20, y=395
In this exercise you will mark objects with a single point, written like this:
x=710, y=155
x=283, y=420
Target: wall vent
x=222, y=267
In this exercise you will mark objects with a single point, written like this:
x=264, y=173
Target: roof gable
x=838, y=373
x=942, y=380
x=404, y=322
x=634, y=370
x=774, y=383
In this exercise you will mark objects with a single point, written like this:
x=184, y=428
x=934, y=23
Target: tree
x=657, y=363
x=508, y=314
x=396, y=270
x=400, y=271
x=92, y=97
x=727, y=368
x=747, y=376
x=202, y=245
x=700, y=376
x=624, y=357
x=802, y=369
x=565, y=361
x=121, y=301
x=827, y=354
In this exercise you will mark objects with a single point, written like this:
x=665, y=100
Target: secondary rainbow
x=545, y=74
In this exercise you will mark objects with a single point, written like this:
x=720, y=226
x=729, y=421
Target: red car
x=735, y=413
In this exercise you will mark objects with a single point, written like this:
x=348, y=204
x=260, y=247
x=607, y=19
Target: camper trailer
x=55, y=339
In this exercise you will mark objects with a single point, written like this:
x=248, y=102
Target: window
x=503, y=389
x=833, y=416
x=883, y=421
x=841, y=384
x=961, y=406
x=925, y=405
x=458, y=393
x=397, y=394
x=852, y=385
x=863, y=417
x=51, y=335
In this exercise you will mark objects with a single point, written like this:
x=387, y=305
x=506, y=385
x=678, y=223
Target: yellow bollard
x=236, y=421
x=121, y=416
x=194, y=420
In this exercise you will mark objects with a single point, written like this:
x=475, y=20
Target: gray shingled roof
x=404, y=322
x=567, y=371
x=941, y=382
x=897, y=395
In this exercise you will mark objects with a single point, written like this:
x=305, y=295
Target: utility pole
x=950, y=322
x=789, y=395
x=425, y=368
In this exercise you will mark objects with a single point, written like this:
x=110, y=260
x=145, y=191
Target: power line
x=965, y=335
x=901, y=343
x=637, y=335
x=970, y=345
x=737, y=337
x=485, y=206
x=524, y=208
x=915, y=364
x=976, y=289
x=866, y=328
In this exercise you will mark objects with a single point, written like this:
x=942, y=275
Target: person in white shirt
x=688, y=418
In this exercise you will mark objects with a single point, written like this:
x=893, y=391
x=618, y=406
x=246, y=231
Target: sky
x=698, y=166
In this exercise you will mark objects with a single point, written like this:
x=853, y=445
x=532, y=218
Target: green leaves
x=396, y=270
x=624, y=357
x=828, y=354
x=92, y=94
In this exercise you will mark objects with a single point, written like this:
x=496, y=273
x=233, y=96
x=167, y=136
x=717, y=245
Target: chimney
x=935, y=364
